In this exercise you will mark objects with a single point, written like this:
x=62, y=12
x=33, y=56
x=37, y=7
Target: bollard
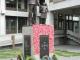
x=13, y=41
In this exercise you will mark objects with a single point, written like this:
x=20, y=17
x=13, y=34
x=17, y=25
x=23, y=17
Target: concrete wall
x=7, y=40
x=16, y=13
x=2, y=18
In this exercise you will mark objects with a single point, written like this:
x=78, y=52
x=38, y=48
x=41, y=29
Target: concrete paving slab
x=70, y=48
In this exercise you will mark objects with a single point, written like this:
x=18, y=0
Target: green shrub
x=30, y=58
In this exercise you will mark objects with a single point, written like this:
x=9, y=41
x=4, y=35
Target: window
x=25, y=4
x=70, y=25
x=22, y=5
x=75, y=18
x=22, y=21
x=17, y=5
x=69, y=19
x=11, y=4
x=11, y=25
x=55, y=21
x=15, y=24
x=60, y=22
x=76, y=24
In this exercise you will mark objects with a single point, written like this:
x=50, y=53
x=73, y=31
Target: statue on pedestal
x=32, y=11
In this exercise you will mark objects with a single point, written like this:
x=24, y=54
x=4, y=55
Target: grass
x=10, y=53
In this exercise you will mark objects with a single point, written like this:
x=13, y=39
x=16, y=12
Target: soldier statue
x=32, y=11
x=43, y=11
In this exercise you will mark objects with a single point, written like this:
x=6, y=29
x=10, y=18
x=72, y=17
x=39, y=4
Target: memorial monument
x=38, y=41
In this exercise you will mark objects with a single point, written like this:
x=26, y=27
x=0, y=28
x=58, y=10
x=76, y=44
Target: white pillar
x=50, y=18
x=2, y=18
x=38, y=15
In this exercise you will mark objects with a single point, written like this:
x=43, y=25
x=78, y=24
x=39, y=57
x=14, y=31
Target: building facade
x=66, y=21
x=13, y=15
x=63, y=14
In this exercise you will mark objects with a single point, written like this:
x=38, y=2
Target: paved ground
x=70, y=58
x=68, y=48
